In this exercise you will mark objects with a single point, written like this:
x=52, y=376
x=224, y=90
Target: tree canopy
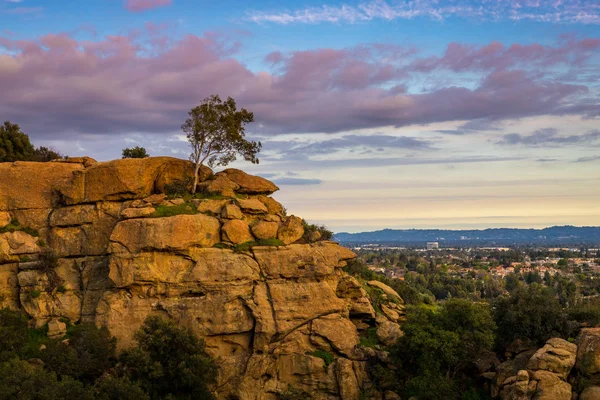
x=215, y=130
x=135, y=152
x=14, y=144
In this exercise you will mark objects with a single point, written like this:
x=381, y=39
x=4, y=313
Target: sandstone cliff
x=102, y=243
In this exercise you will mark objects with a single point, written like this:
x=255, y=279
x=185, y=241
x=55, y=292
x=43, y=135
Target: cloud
x=565, y=11
x=143, y=5
x=146, y=82
x=549, y=137
x=587, y=159
x=296, y=181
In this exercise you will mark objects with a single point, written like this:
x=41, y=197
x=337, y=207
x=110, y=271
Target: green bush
x=34, y=294
x=169, y=361
x=311, y=229
x=13, y=333
x=370, y=338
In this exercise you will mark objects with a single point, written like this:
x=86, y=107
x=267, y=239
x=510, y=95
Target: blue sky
x=372, y=114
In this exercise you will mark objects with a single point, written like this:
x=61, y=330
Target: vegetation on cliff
x=169, y=362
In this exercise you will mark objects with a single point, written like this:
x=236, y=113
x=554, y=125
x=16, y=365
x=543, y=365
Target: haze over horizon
x=373, y=114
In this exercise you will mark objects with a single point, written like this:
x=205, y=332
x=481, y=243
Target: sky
x=372, y=114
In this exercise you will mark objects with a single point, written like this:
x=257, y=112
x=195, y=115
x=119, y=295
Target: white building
x=433, y=245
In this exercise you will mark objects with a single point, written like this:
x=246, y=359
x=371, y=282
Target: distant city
x=556, y=236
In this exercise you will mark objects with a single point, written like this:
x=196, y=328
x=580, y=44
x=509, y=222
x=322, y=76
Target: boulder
x=273, y=206
x=391, y=293
x=4, y=219
x=177, y=232
x=265, y=230
x=130, y=178
x=231, y=211
x=251, y=206
x=85, y=161
x=211, y=206
x=250, y=184
x=236, y=231
x=137, y=212
x=340, y=333
x=31, y=185
x=301, y=260
x=56, y=328
x=290, y=230
x=551, y=387
x=556, y=356
x=389, y=332
x=588, y=351
x=221, y=186
x=590, y=393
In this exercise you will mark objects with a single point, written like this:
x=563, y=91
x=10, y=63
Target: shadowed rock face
x=263, y=311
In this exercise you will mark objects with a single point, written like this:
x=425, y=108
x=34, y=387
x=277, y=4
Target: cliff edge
x=114, y=242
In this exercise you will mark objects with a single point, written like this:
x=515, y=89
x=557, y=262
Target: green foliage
x=170, y=361
x=370, y=338
x=115, y=388
x=215, y=130
x=135, y=152
x=532, y=312
x=439, y=344
x=13, y=334
x=23, y=381
x=169, y=211
x=34, y=294
x=588, y=312
x=61, y=289
x=14, y=144
x=324, y=355
x=314, y=232
x=89, y=352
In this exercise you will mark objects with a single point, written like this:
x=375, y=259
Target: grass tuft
x=169, y=211
x=324, y=355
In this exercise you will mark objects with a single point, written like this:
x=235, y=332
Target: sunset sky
x=372, y=114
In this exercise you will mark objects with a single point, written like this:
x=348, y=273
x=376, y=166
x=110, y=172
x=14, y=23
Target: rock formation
x=103, y=243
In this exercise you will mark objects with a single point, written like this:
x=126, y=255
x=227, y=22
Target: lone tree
x=135, y=152
x=216, y=132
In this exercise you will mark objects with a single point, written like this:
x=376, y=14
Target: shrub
x=13, y=333
x=314, y=232
x=135, y=152
x=370, y=339
x=115, y=388
x=169, y=361
x=34, y=294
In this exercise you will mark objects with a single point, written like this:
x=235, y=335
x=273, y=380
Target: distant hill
x=589, y=235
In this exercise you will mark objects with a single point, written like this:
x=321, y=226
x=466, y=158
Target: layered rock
x=104, y=247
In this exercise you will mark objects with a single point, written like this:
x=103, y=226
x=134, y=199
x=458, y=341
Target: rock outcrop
x=101, y=242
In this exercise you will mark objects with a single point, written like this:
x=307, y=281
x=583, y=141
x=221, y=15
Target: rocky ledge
x=112, y=243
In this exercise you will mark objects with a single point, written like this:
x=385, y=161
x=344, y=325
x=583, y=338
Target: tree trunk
x=196, y=178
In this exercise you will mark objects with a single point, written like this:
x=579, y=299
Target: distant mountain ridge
x=553, y=235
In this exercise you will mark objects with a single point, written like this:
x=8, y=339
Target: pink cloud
x=143, y=5
x=59, y=86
